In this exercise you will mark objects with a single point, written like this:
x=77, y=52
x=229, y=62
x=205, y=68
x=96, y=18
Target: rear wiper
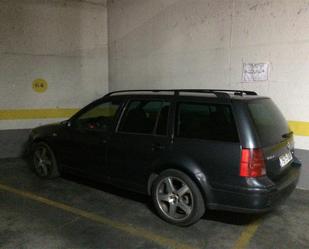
x=286, y=135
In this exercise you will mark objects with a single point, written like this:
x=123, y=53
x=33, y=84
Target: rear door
x=141, y=137
x=274, y=135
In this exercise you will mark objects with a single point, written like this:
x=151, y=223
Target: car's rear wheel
x=177, y=199
x=44, y=161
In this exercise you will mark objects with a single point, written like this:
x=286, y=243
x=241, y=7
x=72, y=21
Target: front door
x=88, y=136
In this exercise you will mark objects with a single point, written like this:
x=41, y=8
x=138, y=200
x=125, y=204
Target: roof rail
x=220, y=93
x=236, y=92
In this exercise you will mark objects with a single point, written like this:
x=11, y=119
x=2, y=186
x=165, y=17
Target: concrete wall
x=64, y=42
x=61, y=41
x=204, y=43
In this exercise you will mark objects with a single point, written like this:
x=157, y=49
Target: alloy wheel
x=42, y=160
x=174, y=198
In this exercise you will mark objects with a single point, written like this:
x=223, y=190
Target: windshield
x=269, y=121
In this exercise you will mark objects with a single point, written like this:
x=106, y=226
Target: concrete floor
x=99, y=216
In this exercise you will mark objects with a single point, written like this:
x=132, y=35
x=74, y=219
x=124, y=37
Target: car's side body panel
x=133, y=161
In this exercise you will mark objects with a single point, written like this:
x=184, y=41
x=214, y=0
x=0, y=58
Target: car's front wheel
x=44, y=161
x=177, y=198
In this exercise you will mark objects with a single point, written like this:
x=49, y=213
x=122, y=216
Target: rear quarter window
x=206, y=121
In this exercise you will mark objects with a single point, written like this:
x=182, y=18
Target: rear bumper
x=255, y=200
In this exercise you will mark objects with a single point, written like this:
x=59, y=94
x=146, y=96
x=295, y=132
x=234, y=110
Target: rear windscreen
x=269, y=121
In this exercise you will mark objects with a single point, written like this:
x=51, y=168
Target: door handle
x=157, y=146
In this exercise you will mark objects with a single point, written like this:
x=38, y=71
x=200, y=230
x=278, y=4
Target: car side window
x=99, y=117
x=145, y=117
x=206, y=121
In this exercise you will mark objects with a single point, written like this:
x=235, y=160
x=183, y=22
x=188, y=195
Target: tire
x=44, y=161
x=177, y=199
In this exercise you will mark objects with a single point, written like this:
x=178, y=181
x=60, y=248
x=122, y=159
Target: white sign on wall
x=255, y=72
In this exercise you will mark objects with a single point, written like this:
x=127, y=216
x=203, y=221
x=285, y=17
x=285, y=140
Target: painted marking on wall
x=246, y=235
x=39, y=85
x=128, y=228
x=37, y=113
x=299, y=128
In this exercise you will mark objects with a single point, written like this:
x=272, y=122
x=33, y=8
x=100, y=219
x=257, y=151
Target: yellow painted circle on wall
x=39, y=85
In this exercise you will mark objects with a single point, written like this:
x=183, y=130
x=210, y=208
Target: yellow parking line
x=246, y=235
x=135, y=231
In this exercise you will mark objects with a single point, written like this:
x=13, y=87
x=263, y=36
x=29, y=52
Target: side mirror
x=67, y=123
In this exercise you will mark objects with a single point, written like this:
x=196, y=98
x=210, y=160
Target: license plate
x=285, y=159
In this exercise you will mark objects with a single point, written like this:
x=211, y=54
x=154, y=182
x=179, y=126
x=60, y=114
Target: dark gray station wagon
x=191, y=150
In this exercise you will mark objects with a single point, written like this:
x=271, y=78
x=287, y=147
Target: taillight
x=252, y=163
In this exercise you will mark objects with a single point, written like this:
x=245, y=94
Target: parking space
x=70, y=212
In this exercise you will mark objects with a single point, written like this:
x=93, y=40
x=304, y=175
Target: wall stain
x=254, y=7
x=302, y=10
x=259, y=6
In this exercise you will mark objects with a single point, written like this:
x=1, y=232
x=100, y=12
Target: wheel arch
x=41, y=139
x=192, y=169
